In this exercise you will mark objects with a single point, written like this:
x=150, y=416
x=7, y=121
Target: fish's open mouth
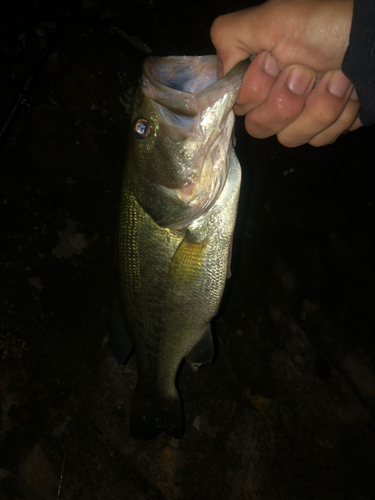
x=186, y=74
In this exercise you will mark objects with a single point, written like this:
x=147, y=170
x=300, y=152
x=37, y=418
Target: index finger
x=227, y=35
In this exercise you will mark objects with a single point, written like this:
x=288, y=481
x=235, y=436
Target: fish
x=177, y=214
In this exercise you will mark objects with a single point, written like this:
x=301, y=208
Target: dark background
x=286, y=411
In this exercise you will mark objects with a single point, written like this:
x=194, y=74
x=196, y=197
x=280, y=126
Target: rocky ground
x=286, y=411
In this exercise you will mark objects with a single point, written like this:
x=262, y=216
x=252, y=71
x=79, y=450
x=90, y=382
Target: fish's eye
x=141, y=128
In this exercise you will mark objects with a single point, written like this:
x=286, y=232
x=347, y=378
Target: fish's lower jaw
x=150, y=417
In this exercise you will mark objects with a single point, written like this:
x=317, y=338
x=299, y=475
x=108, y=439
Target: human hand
x=294, y=87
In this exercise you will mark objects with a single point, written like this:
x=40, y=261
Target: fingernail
x=299, y=80
x=354, y=95
x=338, y=84
x=270, y=65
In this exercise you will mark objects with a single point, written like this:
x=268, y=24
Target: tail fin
x=149, y=417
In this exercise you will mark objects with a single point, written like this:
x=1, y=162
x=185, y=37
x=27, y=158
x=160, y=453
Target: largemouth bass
x=177, y=214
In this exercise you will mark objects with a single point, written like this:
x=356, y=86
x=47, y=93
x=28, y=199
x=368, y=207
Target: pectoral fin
x=202, y=353
x=186, y=264
x=119, y=340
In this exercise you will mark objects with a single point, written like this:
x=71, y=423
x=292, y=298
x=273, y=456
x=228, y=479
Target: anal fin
x=203, y=352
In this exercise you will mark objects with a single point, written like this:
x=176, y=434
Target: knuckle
x=349, y=114
x=256, y=94
x=323, y=140
x=324, y=115
x=289, y=139
x=286, y=108
x=216, y=30
x=255, y=127
x=340, y=125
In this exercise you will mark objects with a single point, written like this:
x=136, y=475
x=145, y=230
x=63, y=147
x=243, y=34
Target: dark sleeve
x=359, y=60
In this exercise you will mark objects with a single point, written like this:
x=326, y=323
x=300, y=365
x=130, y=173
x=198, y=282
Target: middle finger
x=284, y=102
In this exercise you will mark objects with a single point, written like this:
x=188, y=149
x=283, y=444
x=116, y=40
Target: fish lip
x=185, y=101
x=152, y=62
